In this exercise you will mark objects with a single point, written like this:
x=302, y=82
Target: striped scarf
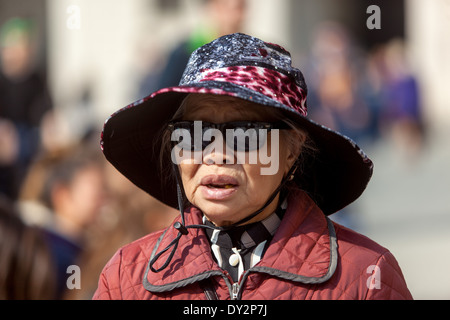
x=241, y=248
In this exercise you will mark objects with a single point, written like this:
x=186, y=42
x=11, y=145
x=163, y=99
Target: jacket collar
x=305, y=235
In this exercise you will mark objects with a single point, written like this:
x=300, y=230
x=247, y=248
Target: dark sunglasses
x=247, y=135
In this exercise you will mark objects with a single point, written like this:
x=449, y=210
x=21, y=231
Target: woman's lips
x=218, y=187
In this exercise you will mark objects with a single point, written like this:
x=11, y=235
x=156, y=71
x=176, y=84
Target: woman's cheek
x=255, y=183
x=187, y=172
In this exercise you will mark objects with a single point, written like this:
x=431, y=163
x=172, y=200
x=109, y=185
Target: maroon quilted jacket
x=310, y=257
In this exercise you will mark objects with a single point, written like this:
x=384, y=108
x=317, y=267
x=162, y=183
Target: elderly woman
x=254, y=180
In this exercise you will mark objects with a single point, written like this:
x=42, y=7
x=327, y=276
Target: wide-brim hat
x=248, y=68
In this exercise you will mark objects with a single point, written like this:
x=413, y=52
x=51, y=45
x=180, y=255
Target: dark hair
x=26, y=266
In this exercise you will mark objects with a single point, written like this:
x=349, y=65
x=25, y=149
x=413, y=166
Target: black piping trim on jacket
x=177, y=284
x=303, y=279
x=271, y=271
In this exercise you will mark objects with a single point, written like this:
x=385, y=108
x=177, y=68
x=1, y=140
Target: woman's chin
x=221, y=214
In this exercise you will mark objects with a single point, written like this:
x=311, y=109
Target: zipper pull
x=235, y=291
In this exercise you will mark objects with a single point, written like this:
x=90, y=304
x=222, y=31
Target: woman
x=254, y=181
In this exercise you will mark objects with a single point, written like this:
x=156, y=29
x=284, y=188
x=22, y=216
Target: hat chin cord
x=183, y=229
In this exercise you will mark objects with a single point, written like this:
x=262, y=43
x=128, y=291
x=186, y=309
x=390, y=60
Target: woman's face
x=227, y=193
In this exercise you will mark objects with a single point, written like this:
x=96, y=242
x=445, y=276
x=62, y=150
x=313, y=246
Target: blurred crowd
x=364, y=95
x=61, y=204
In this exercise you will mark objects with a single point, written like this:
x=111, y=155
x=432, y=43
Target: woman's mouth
x=215, y=187
x=226, y=186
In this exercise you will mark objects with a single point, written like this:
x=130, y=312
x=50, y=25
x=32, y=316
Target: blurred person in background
x=401, y=113
x=221, y=17
x=336, y=69
x=64, y=193
x=26, y=266
x=129, y=214
x=24, y=100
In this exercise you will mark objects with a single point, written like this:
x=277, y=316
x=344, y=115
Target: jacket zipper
x=235, y=287
x=235, y=291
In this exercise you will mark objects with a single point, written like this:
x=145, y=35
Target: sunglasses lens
x=180, y=138
x=245, y=139
x=262, y=138
x=207, y=142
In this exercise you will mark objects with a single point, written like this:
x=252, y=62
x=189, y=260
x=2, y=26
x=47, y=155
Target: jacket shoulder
x=350, y=239
x=372, y=270
x=125, y=269
x=140, y=248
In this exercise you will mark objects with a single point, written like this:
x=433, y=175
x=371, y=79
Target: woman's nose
x=218, y=153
